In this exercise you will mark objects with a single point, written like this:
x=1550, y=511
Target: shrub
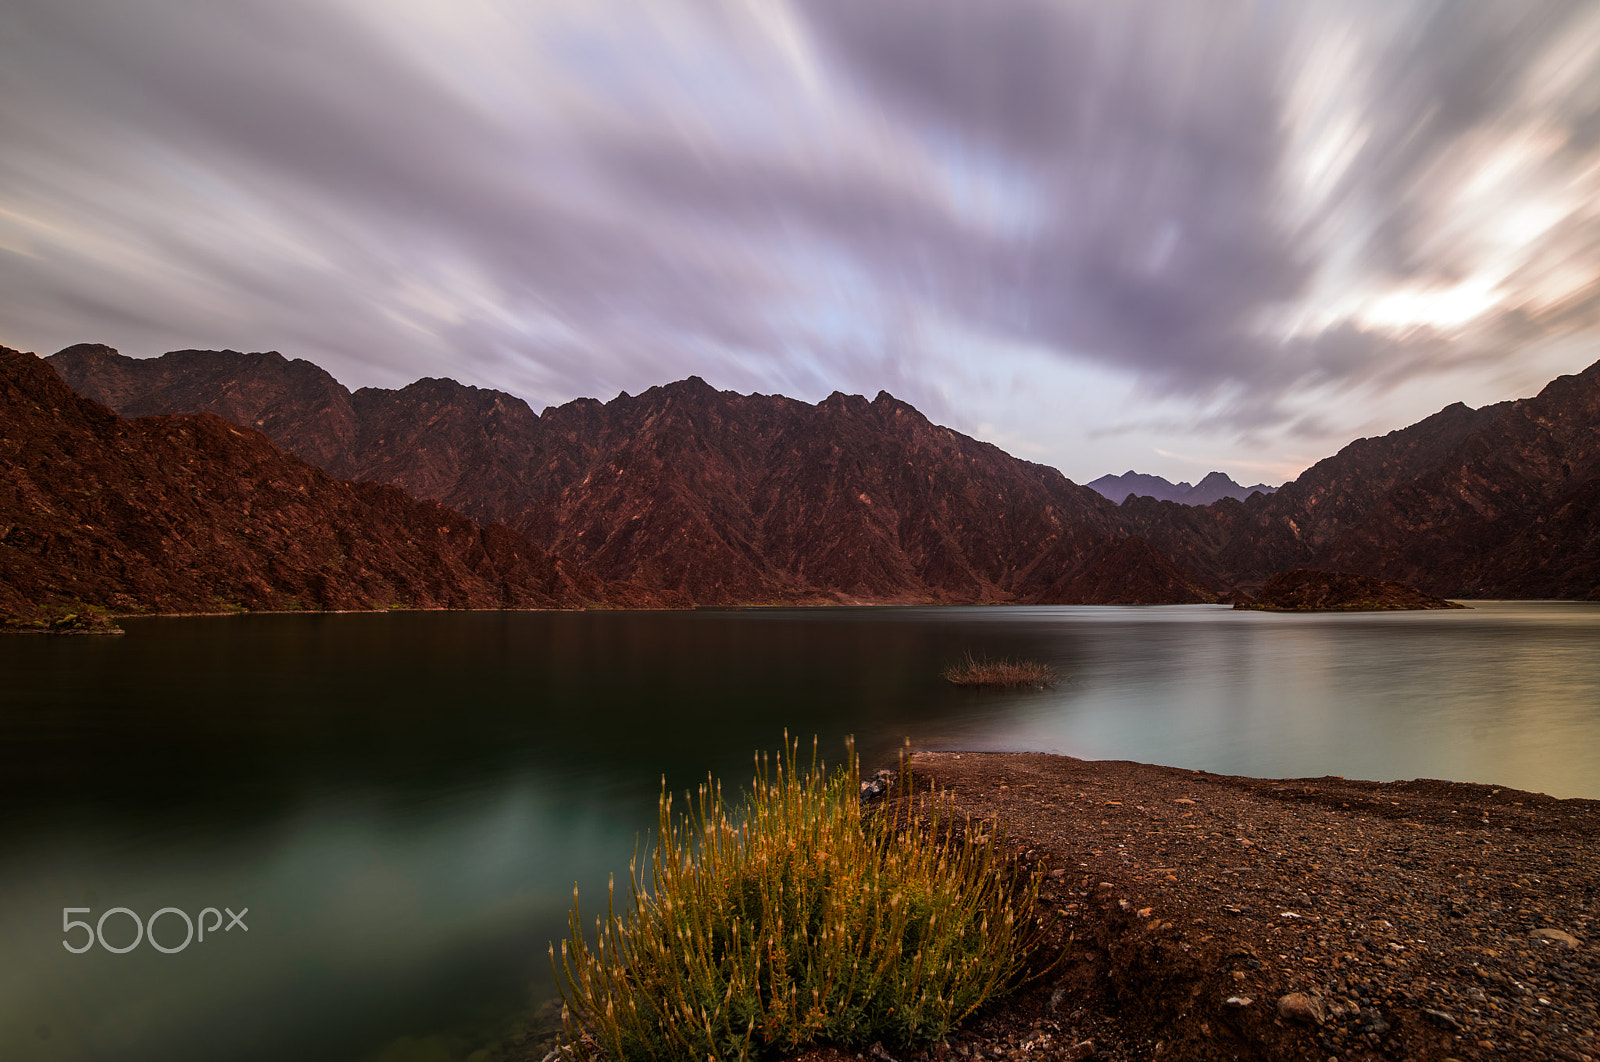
x=799, y=921
x=982, y=671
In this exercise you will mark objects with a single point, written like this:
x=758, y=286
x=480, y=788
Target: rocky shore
x=1304, y=590
x=1208, y=917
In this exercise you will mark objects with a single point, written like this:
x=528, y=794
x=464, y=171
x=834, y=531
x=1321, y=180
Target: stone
x=1555, y=936
x=876, y=787
x=1301, y=1007
x=1238, y=1002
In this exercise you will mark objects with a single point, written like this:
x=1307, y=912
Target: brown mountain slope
x=1247, y=542
x=468, y=448
x=1495, y=502
x=1509, y=512
x=719, y=497
x=175, y=513
x=1129, y=571
x=281, y=398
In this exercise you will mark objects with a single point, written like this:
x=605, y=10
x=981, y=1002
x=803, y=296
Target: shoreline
x=767, y=606
x=1209, y=917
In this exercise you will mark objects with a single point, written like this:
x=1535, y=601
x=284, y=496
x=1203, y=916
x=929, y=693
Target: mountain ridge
x=722, y=498
x=196, y=513
x=1212, y=488
x=711, y=496
x=1500, y=501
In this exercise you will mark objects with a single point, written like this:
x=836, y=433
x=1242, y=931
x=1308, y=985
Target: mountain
x=193, y=513
x=1502, y=501
x=697, y=495
x=1214, y=487
x=718, y=497
x=1218, y=485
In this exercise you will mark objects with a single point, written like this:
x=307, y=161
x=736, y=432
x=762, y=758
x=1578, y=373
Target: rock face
x=1502, y=501
x=689, y=494
x=1303, y=590
x=1129, y=571
x=1214, y=487
x=181, y=513
x=717, y=497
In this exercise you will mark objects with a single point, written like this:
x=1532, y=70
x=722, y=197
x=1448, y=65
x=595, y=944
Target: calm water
x=403, y=802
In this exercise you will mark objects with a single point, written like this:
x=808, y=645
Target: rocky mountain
x=1502, y=501
x=712, y=497
x=183, y=513
x=1214, y=487
x=719, y=497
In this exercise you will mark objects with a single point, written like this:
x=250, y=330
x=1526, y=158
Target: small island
x=1305, y=590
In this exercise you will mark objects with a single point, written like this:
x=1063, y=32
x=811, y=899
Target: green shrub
x=801, y=920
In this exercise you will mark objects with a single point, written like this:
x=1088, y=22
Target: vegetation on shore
x=61, y=617
x=972, y=670
x=799, y=920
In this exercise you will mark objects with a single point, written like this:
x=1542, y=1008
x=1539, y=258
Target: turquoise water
x=404, y=802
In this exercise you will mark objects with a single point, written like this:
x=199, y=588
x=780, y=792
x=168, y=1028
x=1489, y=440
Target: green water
x=403, y=802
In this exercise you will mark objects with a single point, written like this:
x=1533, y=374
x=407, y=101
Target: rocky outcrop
x=193, y=513
x=1303, y=590
x=715, y=497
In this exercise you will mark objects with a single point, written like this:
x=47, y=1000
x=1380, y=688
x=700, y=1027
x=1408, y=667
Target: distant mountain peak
x=1214, y=487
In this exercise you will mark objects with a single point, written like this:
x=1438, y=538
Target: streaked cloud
x=1107, y=235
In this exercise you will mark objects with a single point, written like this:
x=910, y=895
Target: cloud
x=1216, y=169
x=1238, y=209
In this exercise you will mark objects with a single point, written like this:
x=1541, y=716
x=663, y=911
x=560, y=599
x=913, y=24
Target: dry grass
x=981, y=671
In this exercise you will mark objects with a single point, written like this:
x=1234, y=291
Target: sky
x=1152, y=235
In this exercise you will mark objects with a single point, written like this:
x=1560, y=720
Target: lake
x=403, y=802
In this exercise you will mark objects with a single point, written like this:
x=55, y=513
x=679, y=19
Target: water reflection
x=404, y=801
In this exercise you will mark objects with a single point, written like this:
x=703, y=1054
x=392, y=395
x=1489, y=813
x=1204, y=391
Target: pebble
x=1555, y=936
x=1298, y=1006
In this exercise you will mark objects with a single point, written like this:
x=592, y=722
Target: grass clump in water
x=799, y=921
x=982, y=671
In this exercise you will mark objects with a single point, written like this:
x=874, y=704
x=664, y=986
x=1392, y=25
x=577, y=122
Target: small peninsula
x=1305, y=590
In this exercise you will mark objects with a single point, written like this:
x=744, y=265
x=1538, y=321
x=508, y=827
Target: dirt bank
x=1211, y=917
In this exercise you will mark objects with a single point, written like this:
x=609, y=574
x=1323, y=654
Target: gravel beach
x=1209, y=917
